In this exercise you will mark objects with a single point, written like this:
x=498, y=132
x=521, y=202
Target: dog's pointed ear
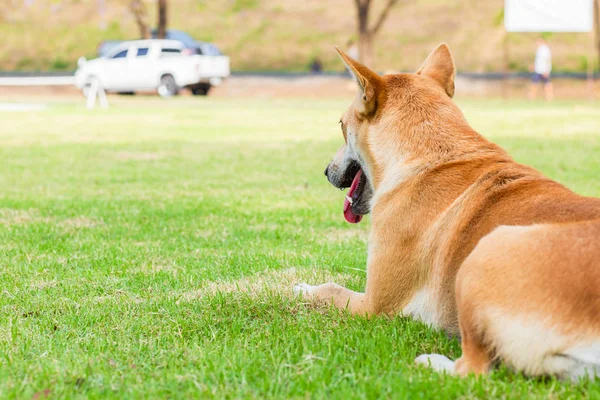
x=369, y=82
x=440, y=67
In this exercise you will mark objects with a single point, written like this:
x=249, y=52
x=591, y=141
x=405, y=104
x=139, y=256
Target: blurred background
x=161, y=181
x=274, y=42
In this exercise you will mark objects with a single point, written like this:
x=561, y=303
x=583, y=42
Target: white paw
x=303, y=289
x=436, y=361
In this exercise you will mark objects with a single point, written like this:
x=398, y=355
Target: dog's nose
x=326, y=169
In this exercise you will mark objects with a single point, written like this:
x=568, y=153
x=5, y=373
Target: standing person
x=541, y=70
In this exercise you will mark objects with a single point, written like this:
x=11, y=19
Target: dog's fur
x=463, y=237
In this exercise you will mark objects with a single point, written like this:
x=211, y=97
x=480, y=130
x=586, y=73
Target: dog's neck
x=420, y=145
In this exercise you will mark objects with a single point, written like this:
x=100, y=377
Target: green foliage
x=243, y=5
x=499, y=19
x=547, y=35
x=26, y=64
x=200, y=5
x=516, y=66
x=60, y=65
x=583, y=63
x=113, y=31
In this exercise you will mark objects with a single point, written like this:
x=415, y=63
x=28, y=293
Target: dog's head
x=392, y=122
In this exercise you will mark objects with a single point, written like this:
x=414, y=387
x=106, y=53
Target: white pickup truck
x=155, y=64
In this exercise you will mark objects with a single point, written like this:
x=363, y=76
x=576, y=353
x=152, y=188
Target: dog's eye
x=343, y=129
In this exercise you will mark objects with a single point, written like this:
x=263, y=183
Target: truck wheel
x=201, y=89
x=167, y=87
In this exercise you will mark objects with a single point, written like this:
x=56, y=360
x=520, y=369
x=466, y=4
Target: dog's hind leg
x=438, y=362
x=476, y=353
x=475, y=356
x=338, y=295
x=577, y=362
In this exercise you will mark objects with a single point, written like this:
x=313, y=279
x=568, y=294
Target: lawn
x=148, y=251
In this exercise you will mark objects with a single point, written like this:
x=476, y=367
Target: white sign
x=548, y=15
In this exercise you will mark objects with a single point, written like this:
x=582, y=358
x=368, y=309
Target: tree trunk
x=362, y=13
x=138, y=9
x=366, y=34
x=162, y=19
x=597, y=29
x=365, y=48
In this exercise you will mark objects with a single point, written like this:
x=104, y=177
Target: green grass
x=148, y=251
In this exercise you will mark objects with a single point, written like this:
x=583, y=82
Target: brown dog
x=463, y=237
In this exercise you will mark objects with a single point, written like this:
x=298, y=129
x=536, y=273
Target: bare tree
x=139, y=11
x=162, y=19
x=366, y=34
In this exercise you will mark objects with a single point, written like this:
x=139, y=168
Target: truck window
x=210, y=50
x=141, y=52
x=169, y=51
x=121, y=54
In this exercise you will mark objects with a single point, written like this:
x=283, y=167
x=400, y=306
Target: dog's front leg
x=392, y=278
x=339, y=296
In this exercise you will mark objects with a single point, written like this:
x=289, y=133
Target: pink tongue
x=348, y=214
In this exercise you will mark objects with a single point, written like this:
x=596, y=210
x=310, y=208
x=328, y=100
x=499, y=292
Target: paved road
x=67, y=78
x=37, y=80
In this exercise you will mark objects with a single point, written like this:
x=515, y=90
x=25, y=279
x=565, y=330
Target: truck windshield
x=121, y=54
